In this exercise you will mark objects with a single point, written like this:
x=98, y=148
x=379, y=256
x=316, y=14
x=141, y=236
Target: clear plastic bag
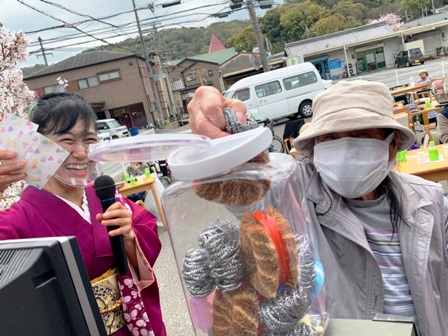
x=248, y=262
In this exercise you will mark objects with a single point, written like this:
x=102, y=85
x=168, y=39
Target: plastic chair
x=438, y=87
x=422, y=95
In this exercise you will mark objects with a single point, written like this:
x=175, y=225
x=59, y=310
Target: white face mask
x=353, y=167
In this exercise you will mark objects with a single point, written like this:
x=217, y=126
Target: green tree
x=414, y=5
x=32, y=69
x=334, y=23
x=300, y=18
x=270, y=24
x=242, y=41
x=348, y=8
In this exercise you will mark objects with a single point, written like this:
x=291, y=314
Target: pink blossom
x=15, y=95
x=393, y=20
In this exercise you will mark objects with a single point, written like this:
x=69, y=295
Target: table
x=148, y=183
x=341, y=327
x=407, y=89
x=434, y=171
x=434, y=107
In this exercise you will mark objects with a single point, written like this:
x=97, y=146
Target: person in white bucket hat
x=425, y=78
x=380, y=234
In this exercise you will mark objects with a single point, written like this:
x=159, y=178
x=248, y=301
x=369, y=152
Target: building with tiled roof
x=116, y=84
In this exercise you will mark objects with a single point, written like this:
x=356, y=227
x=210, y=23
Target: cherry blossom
x=15, y=95
x=393, y=20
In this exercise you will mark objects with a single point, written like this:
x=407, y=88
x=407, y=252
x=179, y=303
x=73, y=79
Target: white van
x=285, y=92
x=112, y=127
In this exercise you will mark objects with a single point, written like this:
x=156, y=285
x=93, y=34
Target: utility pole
x=150, y=71
x=256, y=27
x=164, y=75
x=43, y=51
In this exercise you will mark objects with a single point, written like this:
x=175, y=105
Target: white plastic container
x=248, y=263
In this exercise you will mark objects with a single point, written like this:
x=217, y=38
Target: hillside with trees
x=292, y=21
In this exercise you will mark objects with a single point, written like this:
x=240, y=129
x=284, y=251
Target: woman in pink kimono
x=65, y=207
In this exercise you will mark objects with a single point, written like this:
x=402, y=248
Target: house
x=366, y=48
x=189, y=73
x=350, y=52
x=247, y=64
x=116, y=84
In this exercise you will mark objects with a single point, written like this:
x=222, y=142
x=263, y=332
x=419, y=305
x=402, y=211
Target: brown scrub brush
x=236, y=312
x=233, y=191
x=269, y=251
x=243, y=190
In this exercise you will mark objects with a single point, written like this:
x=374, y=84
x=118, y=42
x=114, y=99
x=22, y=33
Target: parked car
x=285, y=92
x=112, y=127
x=409, y=57
x=103, y=136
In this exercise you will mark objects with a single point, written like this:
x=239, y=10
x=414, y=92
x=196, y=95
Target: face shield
x=79, y=175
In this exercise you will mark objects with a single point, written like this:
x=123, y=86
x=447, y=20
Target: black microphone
x=105, y=190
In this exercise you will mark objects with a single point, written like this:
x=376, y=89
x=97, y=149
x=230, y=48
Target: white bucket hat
x=349, y=106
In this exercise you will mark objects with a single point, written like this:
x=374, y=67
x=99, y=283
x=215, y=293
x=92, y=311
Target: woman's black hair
x=58, y=113
x=392, y=187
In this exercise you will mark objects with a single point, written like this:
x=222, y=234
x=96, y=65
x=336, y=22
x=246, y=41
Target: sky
x=67, y=27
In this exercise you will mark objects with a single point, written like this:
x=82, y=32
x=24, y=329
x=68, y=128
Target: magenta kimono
x=41, y=214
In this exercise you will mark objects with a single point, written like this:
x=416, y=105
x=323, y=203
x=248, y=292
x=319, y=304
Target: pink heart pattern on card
x=43, y=155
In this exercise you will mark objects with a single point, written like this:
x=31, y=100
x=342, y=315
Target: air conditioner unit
x=190, y=78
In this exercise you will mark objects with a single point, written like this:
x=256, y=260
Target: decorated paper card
x=44, y=156
x=13, y=126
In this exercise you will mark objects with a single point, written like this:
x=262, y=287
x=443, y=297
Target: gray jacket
x=354, y=281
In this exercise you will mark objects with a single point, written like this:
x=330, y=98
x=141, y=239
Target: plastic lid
x=144, y=148
x=224, y=153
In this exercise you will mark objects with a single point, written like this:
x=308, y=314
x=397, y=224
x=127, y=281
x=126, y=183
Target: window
x=54, y=88
x=109, y=76
x=101, y=125
x=300, y=80
x=210, y=73
x=87, y=82
x=190, y=77
x=268, y=89
x=243, y=94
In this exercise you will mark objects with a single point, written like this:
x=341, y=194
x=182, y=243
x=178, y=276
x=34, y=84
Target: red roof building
x=215, y=44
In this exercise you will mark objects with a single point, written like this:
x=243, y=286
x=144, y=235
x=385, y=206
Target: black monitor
x=45, y=289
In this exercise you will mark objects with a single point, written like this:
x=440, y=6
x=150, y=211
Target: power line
x=102, y=34
x=69, y=25
x=76, y=36
x=76, y=13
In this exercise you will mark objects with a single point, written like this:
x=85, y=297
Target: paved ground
x=174, y=307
